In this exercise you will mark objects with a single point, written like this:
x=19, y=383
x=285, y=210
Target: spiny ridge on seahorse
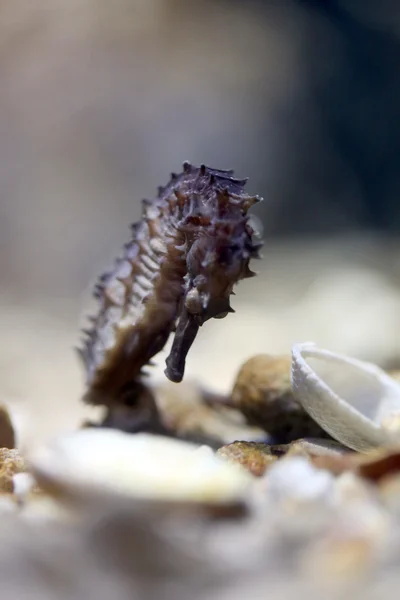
x=193, y=244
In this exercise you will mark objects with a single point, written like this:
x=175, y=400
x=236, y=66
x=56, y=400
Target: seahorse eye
x=193, y=302
x=227, y=254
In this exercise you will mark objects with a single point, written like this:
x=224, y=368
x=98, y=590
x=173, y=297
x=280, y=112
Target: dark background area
x=351, y=57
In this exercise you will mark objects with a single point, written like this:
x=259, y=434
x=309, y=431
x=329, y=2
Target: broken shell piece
x=263, y=393
x=97, y=462
x=255, y=457
x=352, y=400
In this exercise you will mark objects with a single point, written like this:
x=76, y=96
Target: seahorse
x=192, y=245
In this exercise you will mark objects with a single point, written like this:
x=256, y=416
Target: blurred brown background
x=100, y=100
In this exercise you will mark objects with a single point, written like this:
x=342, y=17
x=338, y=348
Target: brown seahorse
x=193, y=244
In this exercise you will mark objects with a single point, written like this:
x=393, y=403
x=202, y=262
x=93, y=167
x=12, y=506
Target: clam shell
x=93, y=463
x=356, y=402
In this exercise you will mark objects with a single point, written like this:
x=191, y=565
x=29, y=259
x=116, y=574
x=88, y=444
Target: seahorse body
x=193, y=244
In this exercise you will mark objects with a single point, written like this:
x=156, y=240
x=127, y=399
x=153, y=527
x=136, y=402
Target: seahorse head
x=220, y=244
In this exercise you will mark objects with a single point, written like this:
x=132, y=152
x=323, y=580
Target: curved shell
x=94, y=463
x=355, y=402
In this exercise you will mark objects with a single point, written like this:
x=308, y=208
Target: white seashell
x=102, y=461
x=355, y=402
x=295, y=478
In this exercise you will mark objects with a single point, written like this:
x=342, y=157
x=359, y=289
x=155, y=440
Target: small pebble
x=255, y=457
x=263, y=393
